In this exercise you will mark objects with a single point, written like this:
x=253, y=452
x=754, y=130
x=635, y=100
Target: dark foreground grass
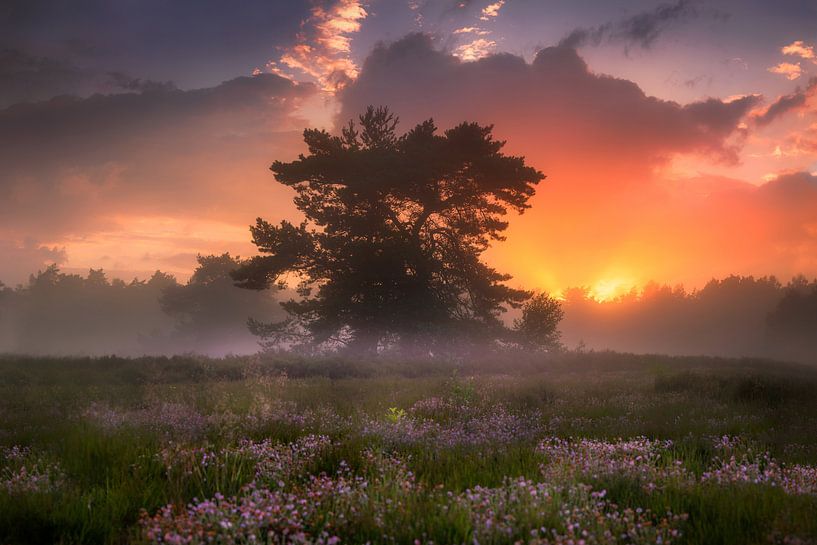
x=103, y=440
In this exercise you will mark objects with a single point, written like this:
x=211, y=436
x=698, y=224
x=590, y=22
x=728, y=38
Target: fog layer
x=68, y=314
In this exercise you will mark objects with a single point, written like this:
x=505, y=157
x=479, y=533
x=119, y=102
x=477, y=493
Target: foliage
x=793, y=323
x=211, y=312
x=395, y=414
x=57, y=312
x=732, y=316
x=538, y=327
x=390, y=250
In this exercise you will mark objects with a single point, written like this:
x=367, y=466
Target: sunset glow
x=679, y=140
x=609, y=289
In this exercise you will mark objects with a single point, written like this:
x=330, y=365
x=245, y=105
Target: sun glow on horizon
x=608, y=289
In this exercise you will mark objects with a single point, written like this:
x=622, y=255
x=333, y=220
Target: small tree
x=395, y=226
x=537, y=329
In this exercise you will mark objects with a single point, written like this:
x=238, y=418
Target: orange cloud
x=491, y=10
x=475, y=49
x=792, y=71
x=804, y=142
x=471, y=30
x=324, y=45
x=799, y=49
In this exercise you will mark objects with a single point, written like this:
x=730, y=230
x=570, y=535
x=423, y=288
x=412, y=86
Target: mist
x=91, y=315
x=736, y=316
x=62, y=314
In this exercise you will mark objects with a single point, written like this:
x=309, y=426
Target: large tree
x=395, y=226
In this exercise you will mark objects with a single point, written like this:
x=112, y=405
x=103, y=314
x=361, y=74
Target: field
x=575, y=448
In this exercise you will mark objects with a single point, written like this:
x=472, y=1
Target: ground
x=571, y=448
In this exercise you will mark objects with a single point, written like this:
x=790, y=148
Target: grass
x=111, y=438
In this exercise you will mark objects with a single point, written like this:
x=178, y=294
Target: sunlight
x=610, y=288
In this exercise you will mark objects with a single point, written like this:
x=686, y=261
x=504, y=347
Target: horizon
x=600, y=293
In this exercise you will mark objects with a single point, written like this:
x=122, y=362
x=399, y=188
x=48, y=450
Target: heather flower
x=573, y=514
x=639, y=457
x=494, y=426
x=170, y=419
x=24, y=472
x=741, y=462
x=276, y=463
x=307, y=514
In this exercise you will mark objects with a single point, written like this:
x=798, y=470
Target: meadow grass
x=627, y=449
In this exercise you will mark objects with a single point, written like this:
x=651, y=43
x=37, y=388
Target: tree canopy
x=395, y=225
x=211, y=312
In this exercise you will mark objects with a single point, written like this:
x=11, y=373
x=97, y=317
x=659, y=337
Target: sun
x=609, y=288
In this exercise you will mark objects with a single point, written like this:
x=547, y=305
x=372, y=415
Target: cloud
x=129, y=83
x=26, y=257
x=788, y=205
x=481, y=45
x=787, y=103
x=136, y=173
x=799, y=49
x=195, y=43
x=119, y=121
x=24, y=77
x=475, y=49
x=642, y=29
x=611, y=206
x=491, y=11
x=552, y=104
x=737, y=61
x=804, y=142
x=792, y=71
x=323, y=48
x=28, y=78
x=471, y=30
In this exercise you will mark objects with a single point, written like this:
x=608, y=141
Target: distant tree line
x=59, y=313
x=734, y=316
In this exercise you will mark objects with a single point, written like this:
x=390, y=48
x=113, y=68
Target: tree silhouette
x=211, y=313
x=792, y=325
x=70, y=314
x=395, y=226
x=537, y=329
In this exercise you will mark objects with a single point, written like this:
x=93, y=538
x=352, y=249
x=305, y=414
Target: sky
x=679, y=139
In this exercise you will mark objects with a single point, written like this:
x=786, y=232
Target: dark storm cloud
x=642, y=29
x=787, y=103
